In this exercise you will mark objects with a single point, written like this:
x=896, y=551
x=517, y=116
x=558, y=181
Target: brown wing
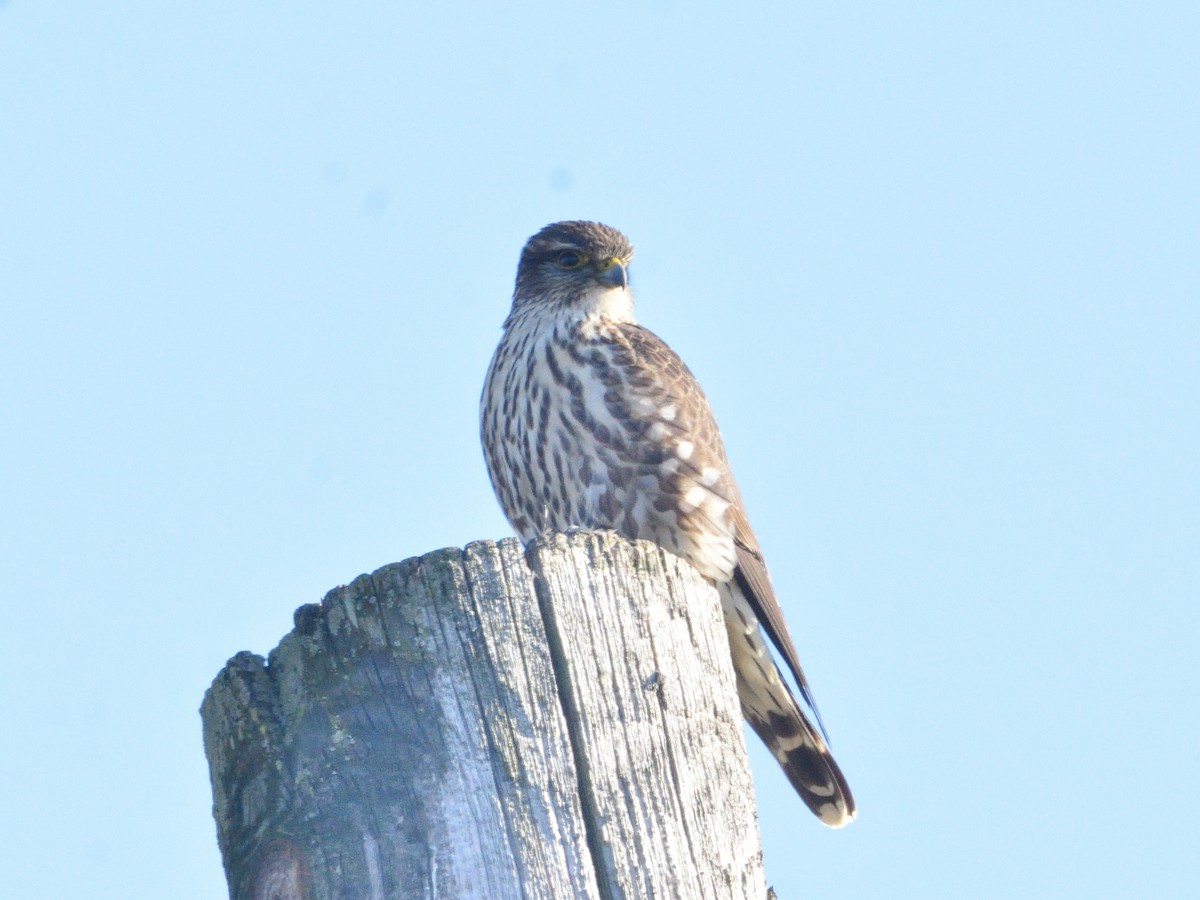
x=751, y=576
x=664, y=373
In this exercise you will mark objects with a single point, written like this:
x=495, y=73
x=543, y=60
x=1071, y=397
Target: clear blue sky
x=937, y=266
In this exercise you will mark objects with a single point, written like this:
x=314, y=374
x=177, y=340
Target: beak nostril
x=613, y=273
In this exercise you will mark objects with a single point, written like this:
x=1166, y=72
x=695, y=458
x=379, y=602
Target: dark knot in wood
x=279, y=873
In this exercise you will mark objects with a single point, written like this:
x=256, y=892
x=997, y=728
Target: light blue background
x=936, y=265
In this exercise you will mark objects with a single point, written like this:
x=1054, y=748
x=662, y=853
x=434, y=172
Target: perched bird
x=591, y=421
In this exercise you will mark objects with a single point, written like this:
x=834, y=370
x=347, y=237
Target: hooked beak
x=612, y=272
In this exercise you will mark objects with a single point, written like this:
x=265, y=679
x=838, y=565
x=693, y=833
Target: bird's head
x=580, y=269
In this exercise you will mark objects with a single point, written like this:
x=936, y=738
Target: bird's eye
x=569, y=259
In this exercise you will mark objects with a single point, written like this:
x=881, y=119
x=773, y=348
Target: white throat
x=598, y=308
x=611, y=304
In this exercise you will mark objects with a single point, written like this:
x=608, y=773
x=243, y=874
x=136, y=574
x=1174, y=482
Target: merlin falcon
x=591, y=421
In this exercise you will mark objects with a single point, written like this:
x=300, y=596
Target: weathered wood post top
x=494, y=722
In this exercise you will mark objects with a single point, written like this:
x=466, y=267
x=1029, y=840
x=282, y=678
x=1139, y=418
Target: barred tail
x=805, y=759
x=777, y=718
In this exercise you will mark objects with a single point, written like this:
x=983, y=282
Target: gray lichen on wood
x=490, y=723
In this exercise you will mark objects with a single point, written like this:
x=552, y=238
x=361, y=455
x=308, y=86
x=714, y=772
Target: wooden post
x=491, y=723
